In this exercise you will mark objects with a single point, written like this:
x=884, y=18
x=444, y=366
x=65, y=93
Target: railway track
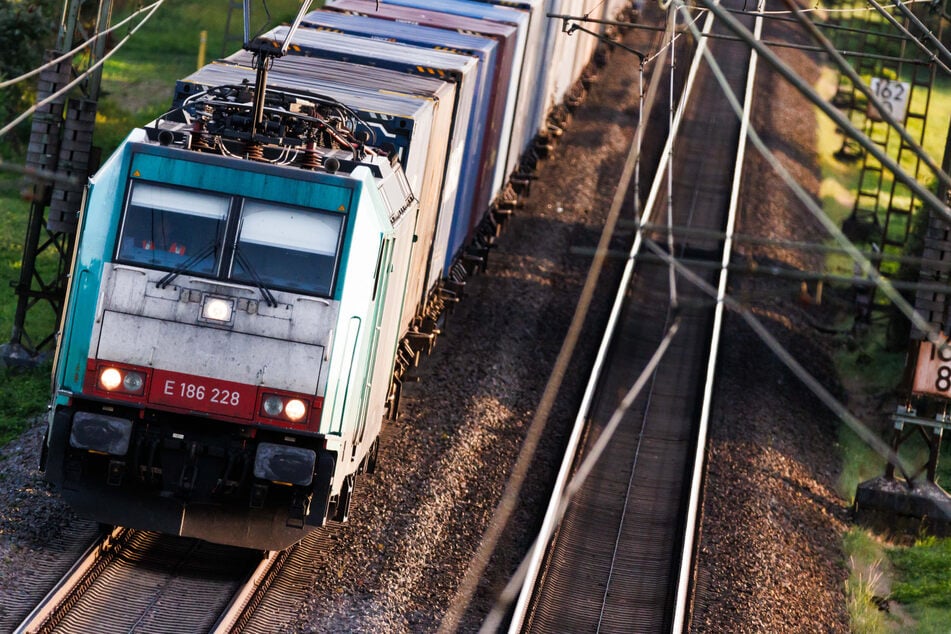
x=621, y=558
x=137, y=581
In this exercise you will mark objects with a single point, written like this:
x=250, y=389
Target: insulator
x=254, y=151
x=309, y=158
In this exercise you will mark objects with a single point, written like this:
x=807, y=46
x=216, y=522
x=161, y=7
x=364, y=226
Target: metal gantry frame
x=884, y=208
x=60, y=143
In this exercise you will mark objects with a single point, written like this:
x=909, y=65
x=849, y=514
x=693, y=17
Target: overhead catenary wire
x=840, y=119
x=883, y=111
x=515, y=481
x=59, y=93
x=815, y=386
x=932, y=56
x=924, y=29
x=843, y=413
x=672, y=27
x=537, y=549
x=857, y=426
x=866, y=267
x=77, y=49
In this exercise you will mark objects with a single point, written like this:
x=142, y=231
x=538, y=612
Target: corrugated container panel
x=477, y=172
x=521, y=121
x=506, y=35
x=533, y=67
x=414, y=60
x=564, y=50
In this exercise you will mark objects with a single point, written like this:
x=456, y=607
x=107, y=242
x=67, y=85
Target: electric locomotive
x=232, y=320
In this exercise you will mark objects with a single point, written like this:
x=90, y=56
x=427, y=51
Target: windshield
x=288, y=248
x=167, y=228
x=269, y=245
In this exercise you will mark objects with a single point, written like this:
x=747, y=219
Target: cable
x=908, y=34
x=873, y=99
x=672, y=27
x=515, y=481
x=866, y=267
x=931, y=37
x=494, y=618
x=64, y=56
x=830, y=401
x=857, y=426
x=774, y=345
x=81, y=77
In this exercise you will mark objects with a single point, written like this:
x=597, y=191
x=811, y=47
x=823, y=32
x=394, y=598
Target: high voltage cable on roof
x=84, y=75
x=77, y=49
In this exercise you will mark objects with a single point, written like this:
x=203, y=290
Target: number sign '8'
x=933, y=370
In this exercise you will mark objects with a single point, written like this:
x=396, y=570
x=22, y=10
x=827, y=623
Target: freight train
x=255, y=270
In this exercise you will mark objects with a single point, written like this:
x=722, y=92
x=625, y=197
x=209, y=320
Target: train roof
x=375, y=52
x=431, y=16
x=238, y=70
x=479, y=10
x=400, y=31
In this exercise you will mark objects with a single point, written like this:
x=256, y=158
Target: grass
x=923, y=582
x=23, y=396
x=866, y=559
x=137, y=85
x=919, y=575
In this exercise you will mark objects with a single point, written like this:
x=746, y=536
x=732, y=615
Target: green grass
x=137, y=86
x=917, y=578
x=23, y=397
x=866, y=558
x=923, y=582
x=138, y=81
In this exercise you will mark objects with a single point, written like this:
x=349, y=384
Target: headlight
x=295, y=409
x=273, y=406
x=133, y=382
x=114, y=379
x=110, y=378
x=217, y=309
x=284, y=408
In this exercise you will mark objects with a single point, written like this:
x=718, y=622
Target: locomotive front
x=224, y=361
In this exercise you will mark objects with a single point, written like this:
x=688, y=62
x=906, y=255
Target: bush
x=29, y=30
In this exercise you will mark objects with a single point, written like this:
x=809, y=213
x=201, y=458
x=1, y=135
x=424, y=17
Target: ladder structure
x=914, y=502
x=884, y=209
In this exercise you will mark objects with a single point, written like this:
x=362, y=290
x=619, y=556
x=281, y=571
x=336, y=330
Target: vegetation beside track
x=137, y=86
x=893, y=585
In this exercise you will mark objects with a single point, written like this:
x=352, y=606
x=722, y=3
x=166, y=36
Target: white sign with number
x=893, y=95
x=933, y=370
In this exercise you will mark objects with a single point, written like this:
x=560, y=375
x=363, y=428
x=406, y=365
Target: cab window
x=165, y=227
x=287, y=247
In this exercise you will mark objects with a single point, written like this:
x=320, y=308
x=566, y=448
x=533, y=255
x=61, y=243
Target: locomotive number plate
x=202, y=394
x=933, y=370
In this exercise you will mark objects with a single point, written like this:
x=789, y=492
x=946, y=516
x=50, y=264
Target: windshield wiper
x=187, y=264
x=268, y=297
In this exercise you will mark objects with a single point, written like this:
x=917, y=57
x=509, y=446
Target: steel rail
x=691, y=531
x=45, y=616
x=533, y=562
x=248, y=596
